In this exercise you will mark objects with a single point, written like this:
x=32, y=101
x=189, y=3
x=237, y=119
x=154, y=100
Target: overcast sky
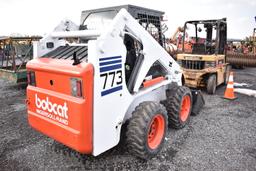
x=37, y=17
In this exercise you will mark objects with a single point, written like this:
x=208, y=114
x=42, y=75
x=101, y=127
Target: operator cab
x=98, y=19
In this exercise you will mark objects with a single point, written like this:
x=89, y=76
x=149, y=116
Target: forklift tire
x=211, y=84
x=179, y=106
x=147, y=129
x=227, y=73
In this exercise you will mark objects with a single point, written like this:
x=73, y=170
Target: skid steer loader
x=85, y=84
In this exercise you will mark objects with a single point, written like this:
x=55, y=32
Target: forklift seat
x=198, y=48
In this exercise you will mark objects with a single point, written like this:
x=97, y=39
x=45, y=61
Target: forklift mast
x=210, y=45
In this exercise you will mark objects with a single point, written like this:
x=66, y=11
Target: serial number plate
x=192, y=57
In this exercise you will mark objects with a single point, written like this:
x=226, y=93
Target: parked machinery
x=243, y=54
x=15, y=52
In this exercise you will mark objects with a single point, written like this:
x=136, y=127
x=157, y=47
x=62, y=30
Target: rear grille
x=66, y=52
x=187, y=64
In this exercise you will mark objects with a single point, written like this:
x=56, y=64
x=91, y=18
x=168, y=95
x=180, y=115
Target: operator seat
x=198, y=48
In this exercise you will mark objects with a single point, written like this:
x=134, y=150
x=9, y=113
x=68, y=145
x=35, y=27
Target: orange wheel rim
x=185, y=108
x=156, y=131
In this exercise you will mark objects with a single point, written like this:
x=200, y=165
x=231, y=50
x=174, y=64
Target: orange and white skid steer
x=87, y=82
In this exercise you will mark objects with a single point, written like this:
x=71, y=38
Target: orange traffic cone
x=229, y=93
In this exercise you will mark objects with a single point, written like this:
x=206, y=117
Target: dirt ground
x=221, y=137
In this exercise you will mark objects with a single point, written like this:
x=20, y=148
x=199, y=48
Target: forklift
x=205, y=65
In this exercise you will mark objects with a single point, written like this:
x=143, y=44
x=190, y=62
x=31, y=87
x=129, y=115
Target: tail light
x=76, y=87
x=31, y=78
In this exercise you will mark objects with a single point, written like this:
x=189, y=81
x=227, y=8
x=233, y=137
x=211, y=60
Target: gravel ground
x=221, y=137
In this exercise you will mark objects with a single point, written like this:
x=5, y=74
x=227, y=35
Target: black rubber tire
x=211, y=84
x=173, y=105
x=139, y=126
x=226, y=74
